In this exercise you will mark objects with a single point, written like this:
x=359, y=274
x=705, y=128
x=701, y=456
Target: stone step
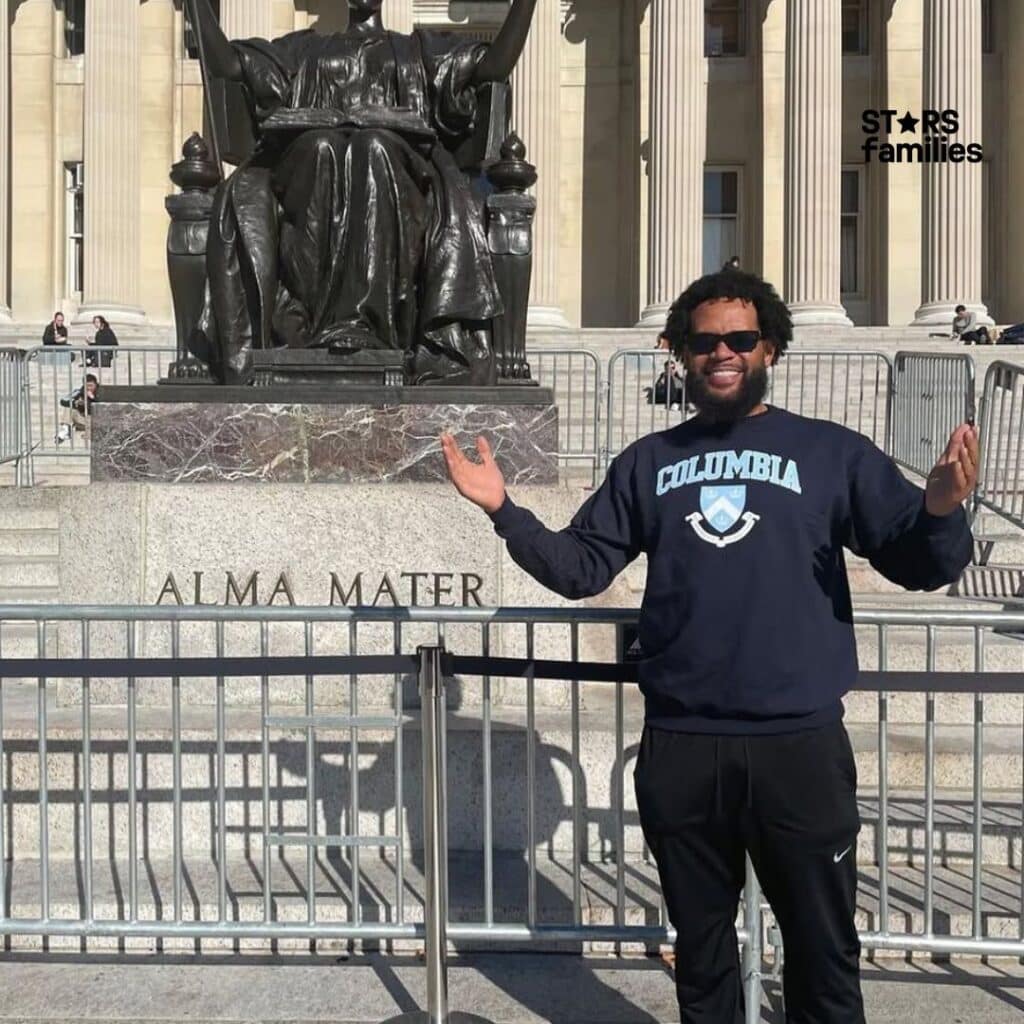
x=79, y=475
x=40, y=540
x=953, y=832
x=903, y=708
x=38, y=517
x=21, y=640
x=996, y=583
x=29, y=594
x=332, y=886
x=30, y=570
x=599, y=782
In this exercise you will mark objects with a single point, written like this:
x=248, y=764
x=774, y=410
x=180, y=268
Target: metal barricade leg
x=432, y=700
x=752, y=948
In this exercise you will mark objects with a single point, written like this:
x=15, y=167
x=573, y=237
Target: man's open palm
x=955, y=474
x=481, y=482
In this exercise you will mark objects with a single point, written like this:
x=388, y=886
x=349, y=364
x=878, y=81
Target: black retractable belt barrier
x=299, y=665
x=538, y=668
x=941, y=682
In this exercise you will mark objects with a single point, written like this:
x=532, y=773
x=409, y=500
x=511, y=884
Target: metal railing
x=12, y=411
x=574, y=375
x=52, y=373
x=933, y=393
x=635, y=408
x=908, y=411
x=265, y=739
x=851, y=388
x=1001, y=473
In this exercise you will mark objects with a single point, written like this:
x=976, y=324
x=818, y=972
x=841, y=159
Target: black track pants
x=790, y=801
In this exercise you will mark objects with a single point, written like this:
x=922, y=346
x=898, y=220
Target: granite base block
x=211, y=442
x=313, y=546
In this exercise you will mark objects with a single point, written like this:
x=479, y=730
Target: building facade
x=669, y=135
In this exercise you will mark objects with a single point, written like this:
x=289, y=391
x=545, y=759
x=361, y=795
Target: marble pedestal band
x=211, y=436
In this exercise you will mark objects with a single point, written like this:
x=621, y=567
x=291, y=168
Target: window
x=723, y=28
x=855, y=26
x=986, y=27
x=191, y=46
x=850, y=233
x=721, y=217
x=74, y=28
x=74, y=216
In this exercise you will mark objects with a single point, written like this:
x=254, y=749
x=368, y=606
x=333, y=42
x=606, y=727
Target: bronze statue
x=356, y=224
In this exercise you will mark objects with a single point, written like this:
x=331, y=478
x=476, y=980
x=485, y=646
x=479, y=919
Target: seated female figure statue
x=351, y=227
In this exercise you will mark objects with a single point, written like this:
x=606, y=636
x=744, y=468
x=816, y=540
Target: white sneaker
x=63, y=434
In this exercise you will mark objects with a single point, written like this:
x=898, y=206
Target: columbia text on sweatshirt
x=746, y=624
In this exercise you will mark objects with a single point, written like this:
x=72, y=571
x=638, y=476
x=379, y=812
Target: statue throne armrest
x=495, y=161
x=229, y=109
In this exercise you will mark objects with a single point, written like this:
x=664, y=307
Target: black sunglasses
x=738, y=341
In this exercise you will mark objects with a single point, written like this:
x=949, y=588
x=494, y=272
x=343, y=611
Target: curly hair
x=773, y=316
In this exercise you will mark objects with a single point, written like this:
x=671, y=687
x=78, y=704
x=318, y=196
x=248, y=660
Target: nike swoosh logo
x=837, y=857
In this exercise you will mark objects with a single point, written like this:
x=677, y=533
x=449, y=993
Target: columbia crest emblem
x=722, y=508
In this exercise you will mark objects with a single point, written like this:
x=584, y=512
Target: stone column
x=5, y=162
x=678, y=144
x=112, y=162
x=536, y=118
x=813, y=161
x=246, y=19
x=398, y=15
x=951, y=208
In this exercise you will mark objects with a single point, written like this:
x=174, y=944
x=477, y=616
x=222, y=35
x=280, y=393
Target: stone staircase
x=30, y=557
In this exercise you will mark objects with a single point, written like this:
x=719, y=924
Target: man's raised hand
x=955, y=474
x=481, y=482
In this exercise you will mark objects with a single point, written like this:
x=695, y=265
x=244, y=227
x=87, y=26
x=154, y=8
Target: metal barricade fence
x=933, y=393
x=851, y=388
x=574, y=375
x=12, y=412
x=1001, y=473
x=637, y=405
x=53, y=373
x=196, y=780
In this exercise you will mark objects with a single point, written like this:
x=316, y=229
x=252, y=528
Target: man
x=967, y=329
x=56, y=333
x=747, y=638
x=76, y=410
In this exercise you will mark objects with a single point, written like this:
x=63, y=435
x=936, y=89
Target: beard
x=716, y=409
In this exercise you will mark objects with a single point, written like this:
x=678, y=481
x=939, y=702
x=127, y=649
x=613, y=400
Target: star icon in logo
x=907, y=123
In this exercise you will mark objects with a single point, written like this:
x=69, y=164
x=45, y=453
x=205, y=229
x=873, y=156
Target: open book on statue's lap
x=402, y=121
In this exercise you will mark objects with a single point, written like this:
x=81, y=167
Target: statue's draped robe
x=360, y=236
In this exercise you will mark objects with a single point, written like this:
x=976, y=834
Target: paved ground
x=506, y=988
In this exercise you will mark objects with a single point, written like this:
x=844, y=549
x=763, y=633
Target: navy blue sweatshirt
x=746, y=624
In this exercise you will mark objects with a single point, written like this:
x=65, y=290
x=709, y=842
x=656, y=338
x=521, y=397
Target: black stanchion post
x=435, y=850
